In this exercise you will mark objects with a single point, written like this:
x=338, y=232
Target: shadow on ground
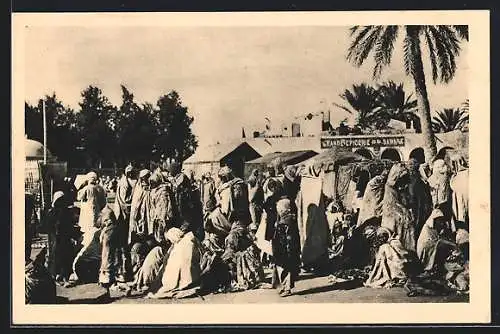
x=347, y=285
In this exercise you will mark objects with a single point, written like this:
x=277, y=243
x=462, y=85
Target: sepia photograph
x=258, y=160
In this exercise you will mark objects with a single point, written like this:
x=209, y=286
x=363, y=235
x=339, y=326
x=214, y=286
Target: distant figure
x=286, y=248
x=371, y=206
x=396, y=213
x=188, y=210
x=208, y=190
x=393, y=263
x=138, y=225
x=459, y=184
x=110, y=245
x=123, y=203
x=234, y=206
x=160, y=208
x=420, y=196
x=256, y=197
x=433, y=245
x=439, y=183
x=93, y=199
x=60, y=233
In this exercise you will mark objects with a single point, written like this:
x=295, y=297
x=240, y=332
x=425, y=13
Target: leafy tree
x=397, y=105
x=97, y=125
x=449, y=120
x=62, y=135
x=362, y=100
x=135, y=130
x=33, y=122
x=443, y=43
x=174, y=136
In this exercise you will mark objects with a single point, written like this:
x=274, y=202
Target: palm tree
x=449, y=120
x=399, y=106
x=443, y=43
x=362, y=100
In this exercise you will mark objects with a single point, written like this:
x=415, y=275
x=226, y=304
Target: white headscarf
x=92, y=177
x=57, y=195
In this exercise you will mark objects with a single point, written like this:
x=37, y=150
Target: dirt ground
x=309, y=289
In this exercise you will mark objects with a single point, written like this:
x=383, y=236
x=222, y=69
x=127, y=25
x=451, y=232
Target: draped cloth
x=60, y=232
x=286, y=244
x=432, y=249
x=110, y=244
x=233, y=200
x=151, y=268
x=396, y=215
x=312, y=221
x=228, y=253
x=92, y=200
x=138, y=213
x=269, y=215
x=460, y=199
x=371, y=205
x=122, y=207
x=88, y=259
x=391, y=265
x=123, y=199
x=39, y=286
x=188, y=211
x=160, y=211
x=217, y=223
x=439, y=183
x=181, y=275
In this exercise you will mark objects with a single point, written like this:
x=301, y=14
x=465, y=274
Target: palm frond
x=358, y=32
x=408, y=52
x=363, y=44
x=462, y=31
x=384, y=48
x=450, y=119
x=343, y=108
x=432, y=55
x=445, y=54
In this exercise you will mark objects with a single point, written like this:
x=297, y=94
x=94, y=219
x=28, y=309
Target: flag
x=243, y=132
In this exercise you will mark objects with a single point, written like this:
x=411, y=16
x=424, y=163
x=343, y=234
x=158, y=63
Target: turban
x=291, y=172
x=129, y=169
x=57, y=196
x=144, y=173
x=283, y=206
x=155, y=179
x=225, y=171
x=92, y=177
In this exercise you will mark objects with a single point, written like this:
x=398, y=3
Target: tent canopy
x=34, y=150
x=288, y=158
x=328, y=161
x=217, y=152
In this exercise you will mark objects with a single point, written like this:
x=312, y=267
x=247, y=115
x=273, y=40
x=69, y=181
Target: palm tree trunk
x=423, y=104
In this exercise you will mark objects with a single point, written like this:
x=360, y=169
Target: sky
x=228, y=77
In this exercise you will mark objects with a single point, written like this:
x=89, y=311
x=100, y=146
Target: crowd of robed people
x=169, y=236
x=408, y=227
x=163, y=236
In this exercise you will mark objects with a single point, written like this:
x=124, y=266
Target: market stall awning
x=328, y=161
x=291, y=158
